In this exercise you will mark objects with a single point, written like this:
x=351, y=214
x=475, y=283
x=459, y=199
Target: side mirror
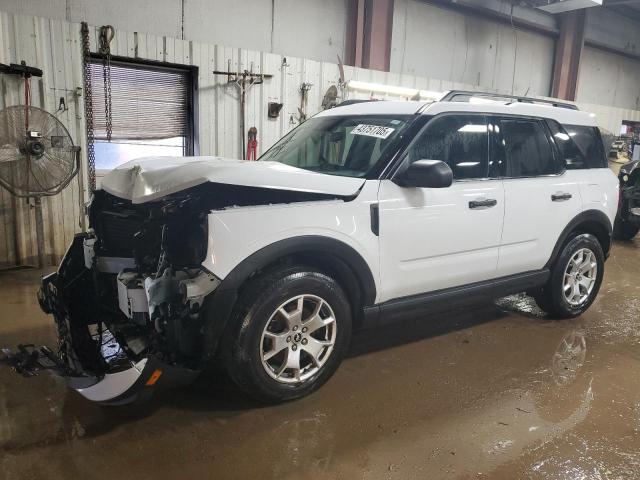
x=425, y=174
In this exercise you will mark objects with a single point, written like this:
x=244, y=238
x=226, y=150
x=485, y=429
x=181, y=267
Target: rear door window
x=527, y=150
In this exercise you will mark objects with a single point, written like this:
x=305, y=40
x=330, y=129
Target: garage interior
x=495, y=391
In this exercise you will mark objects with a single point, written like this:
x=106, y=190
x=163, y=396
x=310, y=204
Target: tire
x=265, y=321
x=624, y=231
x=552, y=297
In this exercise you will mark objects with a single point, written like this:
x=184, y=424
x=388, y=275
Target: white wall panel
x=54, y=46
x=306, y=28
x=609, y=79
x=439, y=43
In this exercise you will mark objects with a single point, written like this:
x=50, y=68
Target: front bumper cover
x=127, y=385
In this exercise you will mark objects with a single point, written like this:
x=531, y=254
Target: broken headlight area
x=127, y=301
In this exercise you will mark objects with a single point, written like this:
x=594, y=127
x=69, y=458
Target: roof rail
x=465, y=96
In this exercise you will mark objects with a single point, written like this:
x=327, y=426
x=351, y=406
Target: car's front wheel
x=575, y=278
x=291, y=330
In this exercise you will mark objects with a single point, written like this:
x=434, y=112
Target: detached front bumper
x=135, y=384
x=114, y=386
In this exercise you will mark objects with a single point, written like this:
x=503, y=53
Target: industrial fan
x=37, y=158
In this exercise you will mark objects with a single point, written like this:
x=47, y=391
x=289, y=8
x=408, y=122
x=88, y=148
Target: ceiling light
x=393, y=90
x=568, y=5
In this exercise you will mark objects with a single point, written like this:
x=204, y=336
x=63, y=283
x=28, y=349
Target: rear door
x=435, y=238
x=541, y=196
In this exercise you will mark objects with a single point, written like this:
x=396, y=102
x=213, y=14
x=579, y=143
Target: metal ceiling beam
x=612, y=3
x=567, y=55
x=470, y=7
x=369, y=26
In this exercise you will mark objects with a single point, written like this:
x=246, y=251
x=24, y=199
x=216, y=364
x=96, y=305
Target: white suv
x=364, y=214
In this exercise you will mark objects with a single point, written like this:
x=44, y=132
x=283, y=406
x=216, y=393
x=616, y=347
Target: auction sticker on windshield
x=372, y=131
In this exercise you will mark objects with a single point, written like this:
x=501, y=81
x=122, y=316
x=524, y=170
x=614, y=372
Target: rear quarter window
x=589, y=142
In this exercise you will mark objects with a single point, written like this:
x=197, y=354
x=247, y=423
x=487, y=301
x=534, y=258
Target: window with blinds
x=151, y=112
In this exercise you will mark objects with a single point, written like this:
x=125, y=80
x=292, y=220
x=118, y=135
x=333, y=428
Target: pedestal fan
x=37, y=158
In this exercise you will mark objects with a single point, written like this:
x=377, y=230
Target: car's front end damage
x=126, y=299
x=131, y=297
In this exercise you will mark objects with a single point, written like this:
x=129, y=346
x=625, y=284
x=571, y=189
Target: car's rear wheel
x=575, y=278
x=291, y=330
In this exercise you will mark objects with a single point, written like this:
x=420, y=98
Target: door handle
x=476, y=204
x=560, y=197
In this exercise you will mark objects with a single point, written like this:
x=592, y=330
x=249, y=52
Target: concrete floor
x=492, y=392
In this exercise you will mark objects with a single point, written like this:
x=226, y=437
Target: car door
x=541, y=196
x=436, y=238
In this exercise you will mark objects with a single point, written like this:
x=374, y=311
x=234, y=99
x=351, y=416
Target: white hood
x=150, y=178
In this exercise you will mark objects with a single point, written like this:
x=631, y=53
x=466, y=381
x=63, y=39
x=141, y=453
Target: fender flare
x=588, y=216
x=219, y=305
x=305, y=243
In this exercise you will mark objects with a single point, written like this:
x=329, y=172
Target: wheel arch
x=326, y=254
x=594, y=222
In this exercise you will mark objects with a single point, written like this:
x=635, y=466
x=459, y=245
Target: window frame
x=191, y=141
x=388, y=158
x=393, y=170
x=597, y=137
x=555, y=150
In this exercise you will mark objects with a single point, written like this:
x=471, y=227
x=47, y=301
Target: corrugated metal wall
x=54, y=46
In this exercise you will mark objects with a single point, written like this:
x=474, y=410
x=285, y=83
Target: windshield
x=340, y=145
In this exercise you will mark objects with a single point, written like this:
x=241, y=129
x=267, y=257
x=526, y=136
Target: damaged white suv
x=364, y=214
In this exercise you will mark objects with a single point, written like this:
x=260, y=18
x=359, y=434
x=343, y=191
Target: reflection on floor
x=492, y=392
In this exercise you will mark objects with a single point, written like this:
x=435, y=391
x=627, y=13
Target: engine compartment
x=137, y=286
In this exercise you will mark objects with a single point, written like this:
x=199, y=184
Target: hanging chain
x=88, y=105
x=106, y=35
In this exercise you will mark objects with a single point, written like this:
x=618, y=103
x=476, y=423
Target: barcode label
x=372, y=131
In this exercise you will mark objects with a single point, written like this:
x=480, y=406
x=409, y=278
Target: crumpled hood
x=151, y=178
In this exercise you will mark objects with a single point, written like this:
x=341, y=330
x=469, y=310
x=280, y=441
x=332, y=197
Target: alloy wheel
x=580, y=277
x=298, y=339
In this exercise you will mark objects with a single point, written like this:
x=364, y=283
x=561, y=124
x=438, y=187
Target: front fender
x=235, y=234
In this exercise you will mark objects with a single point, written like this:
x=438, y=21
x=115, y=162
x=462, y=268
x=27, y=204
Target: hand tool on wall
x=252, y=144
x=304, y=100
x=244, y=81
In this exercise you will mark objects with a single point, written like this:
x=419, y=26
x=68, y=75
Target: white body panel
x=533, y=222
x=236, y=233
x=151, y=178
x=599, y=189
x=430, y=239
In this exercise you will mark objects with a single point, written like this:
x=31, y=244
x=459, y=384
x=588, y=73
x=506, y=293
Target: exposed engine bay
x=128, y=296
x=144, y=267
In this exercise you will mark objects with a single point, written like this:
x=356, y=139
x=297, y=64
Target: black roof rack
x=354, y=101
x=464, y=96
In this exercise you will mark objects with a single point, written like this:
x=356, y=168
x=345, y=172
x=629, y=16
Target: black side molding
x=374, y=209
x=399, y=309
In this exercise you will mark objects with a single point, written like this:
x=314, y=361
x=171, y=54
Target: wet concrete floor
x=496, y=391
